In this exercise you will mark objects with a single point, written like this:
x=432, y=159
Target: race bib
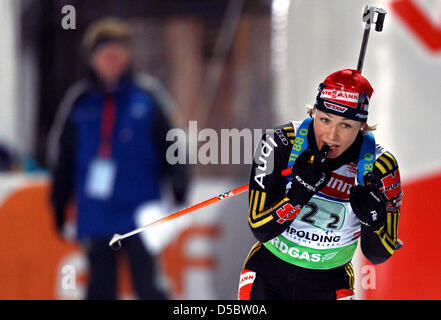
x=100, y=178
x=324, y=214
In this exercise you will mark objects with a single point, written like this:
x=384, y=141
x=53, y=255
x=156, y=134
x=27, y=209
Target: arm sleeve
x=269, y=208
x=379, y=245
x=63, y=173
x=177, y=173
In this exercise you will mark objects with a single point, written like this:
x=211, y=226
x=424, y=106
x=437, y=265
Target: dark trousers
x=103, y=270
x=275, y=279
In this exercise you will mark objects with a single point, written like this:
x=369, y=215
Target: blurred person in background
x=110, y=158
x=343, y=187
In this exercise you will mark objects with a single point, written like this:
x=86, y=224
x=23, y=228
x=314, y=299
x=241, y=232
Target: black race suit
x=309, y=256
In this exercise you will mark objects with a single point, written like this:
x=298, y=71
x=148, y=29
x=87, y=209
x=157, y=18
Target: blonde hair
x=109, y=27
x=310, y=110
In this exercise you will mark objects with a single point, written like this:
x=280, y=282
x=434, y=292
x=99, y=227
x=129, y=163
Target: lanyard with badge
x=102, y=169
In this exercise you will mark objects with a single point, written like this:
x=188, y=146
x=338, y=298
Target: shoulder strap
x=300, y=142
x=366, y=158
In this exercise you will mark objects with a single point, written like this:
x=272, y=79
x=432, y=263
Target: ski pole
x=368, y=18
x=115, y=243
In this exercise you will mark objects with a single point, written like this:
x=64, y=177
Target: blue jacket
x=138, y=151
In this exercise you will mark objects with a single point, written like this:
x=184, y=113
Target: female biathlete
x=344, y=188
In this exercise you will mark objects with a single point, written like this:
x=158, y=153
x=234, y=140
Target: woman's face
x=110, y=61
x=335, y=131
